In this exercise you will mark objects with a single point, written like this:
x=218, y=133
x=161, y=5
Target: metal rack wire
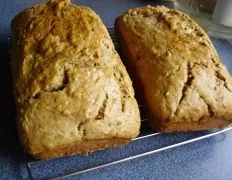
x=99, y=166
x=144, y=135
x=144, y=154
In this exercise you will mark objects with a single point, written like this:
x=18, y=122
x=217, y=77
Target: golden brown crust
x=82, y=147
x=183, y=80
x=70, y=84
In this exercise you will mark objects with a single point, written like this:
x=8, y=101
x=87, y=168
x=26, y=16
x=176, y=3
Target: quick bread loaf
x=73, y=94
x=185, y=85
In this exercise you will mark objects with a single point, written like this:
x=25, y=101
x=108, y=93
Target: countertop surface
x=210, y=158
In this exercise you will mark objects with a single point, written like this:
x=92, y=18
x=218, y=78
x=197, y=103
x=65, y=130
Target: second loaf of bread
x=185, y=85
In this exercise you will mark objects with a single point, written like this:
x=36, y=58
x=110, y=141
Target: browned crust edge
x=81, y=147
x=203, y=124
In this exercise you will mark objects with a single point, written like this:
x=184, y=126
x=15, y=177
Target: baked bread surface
x=185, y=85
x=73, y=94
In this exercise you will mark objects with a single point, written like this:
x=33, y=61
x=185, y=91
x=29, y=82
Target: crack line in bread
x=99, y=116
x=101, y=112
x=80, y=127
x=211, y=110
x=61, y=87
x=125, y=94
x=187, y=84
x=222, y=79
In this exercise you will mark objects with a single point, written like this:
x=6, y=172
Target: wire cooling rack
x=75, y=165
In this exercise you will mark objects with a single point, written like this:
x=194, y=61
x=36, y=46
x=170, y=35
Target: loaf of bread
x=185, y=85
x=73, y=94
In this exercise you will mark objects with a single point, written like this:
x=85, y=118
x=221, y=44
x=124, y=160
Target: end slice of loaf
x=185, y=85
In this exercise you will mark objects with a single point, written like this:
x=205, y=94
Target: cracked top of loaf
x=70, y=84
x=185, y=84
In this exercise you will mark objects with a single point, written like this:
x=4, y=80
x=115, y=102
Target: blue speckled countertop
x=207, y=159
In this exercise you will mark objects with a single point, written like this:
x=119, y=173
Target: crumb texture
x=185, y=84
x=70, y=84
